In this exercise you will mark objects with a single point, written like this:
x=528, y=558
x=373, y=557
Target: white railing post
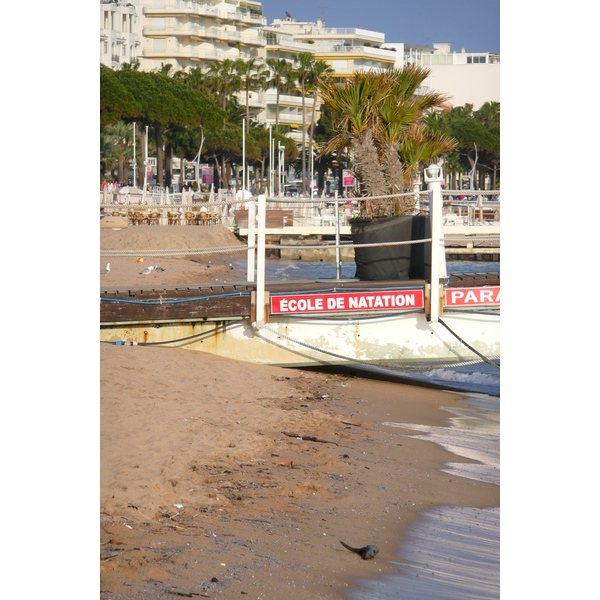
x=251, y=235
x=434, y=179
x=260, y=262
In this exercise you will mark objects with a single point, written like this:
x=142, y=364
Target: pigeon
x=147, y=270
x=105, y=270
x=366, y=553
x=209, y=264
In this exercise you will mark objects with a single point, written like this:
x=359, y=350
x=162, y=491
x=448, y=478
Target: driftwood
x=308, y=438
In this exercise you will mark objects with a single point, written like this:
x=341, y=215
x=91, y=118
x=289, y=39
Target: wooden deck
x=234, y=301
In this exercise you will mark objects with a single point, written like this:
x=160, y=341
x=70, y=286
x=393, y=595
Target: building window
x=105, y=47
x=124, y=22
x=123, y=50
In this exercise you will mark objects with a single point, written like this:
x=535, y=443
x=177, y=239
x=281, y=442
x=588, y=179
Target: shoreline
x=210, y=443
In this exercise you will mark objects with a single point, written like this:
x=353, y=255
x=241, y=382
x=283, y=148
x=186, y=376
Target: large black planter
x=389, y=263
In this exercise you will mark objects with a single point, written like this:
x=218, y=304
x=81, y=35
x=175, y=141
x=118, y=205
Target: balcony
x=187, y=7
x=208, y=33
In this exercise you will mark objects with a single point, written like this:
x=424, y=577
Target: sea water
x=452, y=551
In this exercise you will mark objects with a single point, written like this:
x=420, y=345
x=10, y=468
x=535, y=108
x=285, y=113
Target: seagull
x=105, y=270
x=157, y=268
x=230, y=266
x=147, y=270
x=209, y=264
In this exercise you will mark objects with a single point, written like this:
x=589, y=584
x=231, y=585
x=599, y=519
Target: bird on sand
x=158, y=269
x=105, y=270
x=147, y=270
x=366, y=553
x=230, y=266
x=209, y=264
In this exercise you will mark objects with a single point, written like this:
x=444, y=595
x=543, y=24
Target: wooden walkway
x=235, y=301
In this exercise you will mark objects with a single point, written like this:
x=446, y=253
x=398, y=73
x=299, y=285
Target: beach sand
x=206, y=488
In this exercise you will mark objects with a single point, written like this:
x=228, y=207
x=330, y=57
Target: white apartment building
x=467, y=77
x=119, y=41
x=346, y=51
x=194, y=33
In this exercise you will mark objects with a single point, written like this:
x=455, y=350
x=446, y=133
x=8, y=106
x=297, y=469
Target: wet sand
x=222, y=477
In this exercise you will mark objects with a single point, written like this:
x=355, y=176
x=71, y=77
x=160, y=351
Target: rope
x=360, y=362
x=174, y=252
x=469, y=347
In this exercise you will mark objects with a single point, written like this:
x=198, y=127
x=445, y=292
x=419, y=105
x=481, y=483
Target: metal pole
x=134, y=155
x=251, y=236
x=145, y=165
x=270, y=161
x=260, y=262
x=438, y=253
x=243, y=159
x=338, y=250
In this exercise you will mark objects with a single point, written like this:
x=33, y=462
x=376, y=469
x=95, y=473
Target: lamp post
x=134, y=155
x=433, y=177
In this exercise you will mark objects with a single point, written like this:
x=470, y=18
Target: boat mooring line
x=366, y=364
x=469, y=347
x=176, y=341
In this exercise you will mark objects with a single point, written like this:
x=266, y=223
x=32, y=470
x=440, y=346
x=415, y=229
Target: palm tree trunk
x=277, y=111
x=367, y=166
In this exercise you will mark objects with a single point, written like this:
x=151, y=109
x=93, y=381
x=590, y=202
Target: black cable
x=469, y=347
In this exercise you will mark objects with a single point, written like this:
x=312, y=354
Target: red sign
x=348, y=177
x=481, y=296
x=347, y=301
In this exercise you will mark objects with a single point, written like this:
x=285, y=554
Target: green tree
x=223, y=79
x=304, y=66
x=320, y=73
x=381, y=117
x=282, y=79
x=253, y=76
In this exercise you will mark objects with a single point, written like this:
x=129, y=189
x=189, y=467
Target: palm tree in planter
x=380, y=117
x=376, y=115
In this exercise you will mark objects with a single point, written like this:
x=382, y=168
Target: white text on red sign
x=484, y=296
x=339, y=302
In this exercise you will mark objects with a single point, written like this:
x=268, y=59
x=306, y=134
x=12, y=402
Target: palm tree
x=253, y=75
x=354, y=118
x=320, y=73
x=282, y=78
x=381, y=116
x=304, y=65
x=223, y=79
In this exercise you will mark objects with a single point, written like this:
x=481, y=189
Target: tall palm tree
x=223, y=79
x=282, y=79
x=304, y=65
x=253, y=75
x=320, y=73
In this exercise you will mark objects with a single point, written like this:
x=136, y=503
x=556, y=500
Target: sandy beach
x=231, y=479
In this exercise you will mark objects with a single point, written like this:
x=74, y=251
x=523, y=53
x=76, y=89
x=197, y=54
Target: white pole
x=251, y=241
x=145, y=165
x=338, y=253
x=243, y=159
x=260, y=262
x=134, y=155
x=438, y=253
x=270, y=161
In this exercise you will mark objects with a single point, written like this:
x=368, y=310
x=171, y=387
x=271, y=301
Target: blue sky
x=470, y=24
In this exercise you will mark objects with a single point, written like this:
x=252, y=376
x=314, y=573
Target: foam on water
x=452, y=551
